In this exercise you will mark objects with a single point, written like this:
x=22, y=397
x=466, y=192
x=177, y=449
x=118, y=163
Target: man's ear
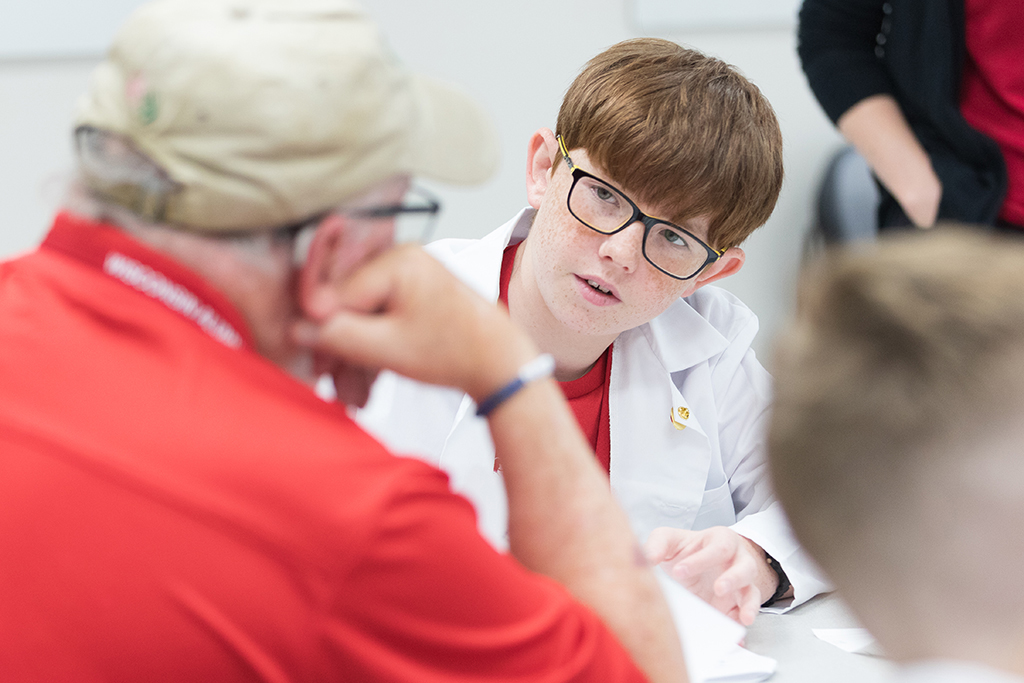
x=728, y=264
x=540, y=159
x=317, y=274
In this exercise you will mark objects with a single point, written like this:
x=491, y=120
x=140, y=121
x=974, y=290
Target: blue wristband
x=540, y=367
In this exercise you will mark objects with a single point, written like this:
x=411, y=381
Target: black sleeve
x=838, y=41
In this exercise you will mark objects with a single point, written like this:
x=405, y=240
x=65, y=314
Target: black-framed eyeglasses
x=604, y=208
x=414, y=217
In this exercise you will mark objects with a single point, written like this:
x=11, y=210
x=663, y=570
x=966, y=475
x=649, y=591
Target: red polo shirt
x=175, y=508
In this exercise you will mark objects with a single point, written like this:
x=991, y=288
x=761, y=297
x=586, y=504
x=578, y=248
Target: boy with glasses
x=663, y=161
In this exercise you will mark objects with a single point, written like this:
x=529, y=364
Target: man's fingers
x=362, y=344
x=366, y=290
x=354, y=337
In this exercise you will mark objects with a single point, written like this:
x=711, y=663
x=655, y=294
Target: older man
x=175, y=501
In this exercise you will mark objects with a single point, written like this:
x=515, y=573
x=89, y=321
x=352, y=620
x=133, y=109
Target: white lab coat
x=688, y=410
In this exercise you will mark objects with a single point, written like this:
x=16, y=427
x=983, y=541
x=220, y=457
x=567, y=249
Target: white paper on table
x=855, y=640
x=742, y=666
x=710, y=639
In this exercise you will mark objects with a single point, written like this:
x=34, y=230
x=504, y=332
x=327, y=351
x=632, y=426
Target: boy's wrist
x=782, y=585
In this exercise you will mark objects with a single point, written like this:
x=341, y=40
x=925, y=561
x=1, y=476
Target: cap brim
x=456, y=141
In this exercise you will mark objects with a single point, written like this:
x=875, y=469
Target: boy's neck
x=574, y=353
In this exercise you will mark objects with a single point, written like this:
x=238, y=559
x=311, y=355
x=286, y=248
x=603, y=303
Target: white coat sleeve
x=769, y=528
x=743, y=397
x=409, y=417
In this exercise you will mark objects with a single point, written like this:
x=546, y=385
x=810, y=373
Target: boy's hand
x=726, y=570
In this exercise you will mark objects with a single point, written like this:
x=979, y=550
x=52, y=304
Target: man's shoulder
x=173, y=397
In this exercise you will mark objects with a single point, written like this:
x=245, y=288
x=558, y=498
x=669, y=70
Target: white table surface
x=802, y=657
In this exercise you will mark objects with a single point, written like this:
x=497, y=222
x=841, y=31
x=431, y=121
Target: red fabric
x=587, y=395
x=173, y=508
x=992, y=88
x=588, y=398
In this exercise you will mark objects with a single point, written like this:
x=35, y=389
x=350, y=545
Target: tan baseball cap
x=266, y=112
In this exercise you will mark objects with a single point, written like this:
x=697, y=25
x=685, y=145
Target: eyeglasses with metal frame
x=602, y=207
x=414, y=217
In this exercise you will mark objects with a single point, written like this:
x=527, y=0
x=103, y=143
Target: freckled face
x=596, y=284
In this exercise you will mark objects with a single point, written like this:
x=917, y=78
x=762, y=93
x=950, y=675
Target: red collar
x=151, y=273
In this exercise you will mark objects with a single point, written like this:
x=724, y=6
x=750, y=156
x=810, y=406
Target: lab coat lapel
x=478, y=262
x=660, y=453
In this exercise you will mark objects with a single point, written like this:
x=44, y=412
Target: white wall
x=37, y=99
x=517, y=58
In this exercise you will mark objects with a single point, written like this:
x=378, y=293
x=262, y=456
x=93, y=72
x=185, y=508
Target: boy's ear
x=728, y=264
x=540, y=158
x=317, y=274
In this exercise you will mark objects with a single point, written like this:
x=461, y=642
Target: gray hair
x=120, y=185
